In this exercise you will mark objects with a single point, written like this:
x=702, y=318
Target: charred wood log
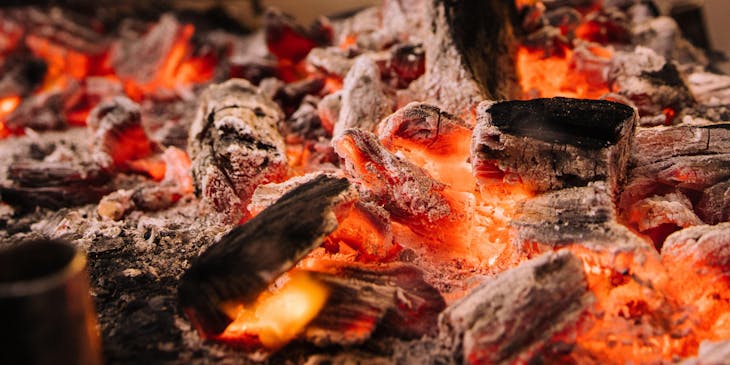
x=45, y=174
x=458, y=74
x=235, y=145
x=364, y=98
x=515, y=314
x=393, y=299
x=553, y=143
x=249, y=258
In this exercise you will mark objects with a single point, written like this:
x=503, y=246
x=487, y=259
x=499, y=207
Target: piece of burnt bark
x=424, y=126
x=365, y=100
x=553, y=143
x=652, y=83
x=251, y=256
x=235, y=145
x=406, y=191
x=511, y=317
x=459, y=75
x=392, y=299
x=689, y=157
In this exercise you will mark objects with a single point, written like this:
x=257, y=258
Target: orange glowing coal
x=279, y=314
x=544, y=75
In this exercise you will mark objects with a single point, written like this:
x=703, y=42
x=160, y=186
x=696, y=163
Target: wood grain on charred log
x=235, y=146
x=517, y=312
x=553, y=143
x=249, y=258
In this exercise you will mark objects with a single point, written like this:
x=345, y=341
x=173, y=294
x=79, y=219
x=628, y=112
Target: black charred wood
x=553, y=143
x=46, y=174
x=518, y=311
x=235, y=145
x=250, y=257
x=53, y=197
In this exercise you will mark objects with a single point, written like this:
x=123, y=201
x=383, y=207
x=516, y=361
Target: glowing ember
x=7, y=105
x=279, y=315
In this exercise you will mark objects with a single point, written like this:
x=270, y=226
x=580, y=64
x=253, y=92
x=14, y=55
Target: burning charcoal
x=267, y=194
x=364, y=98
x=304, y=124
x=608, y=25
x=553, y=143
x=329, y=110
x=658, y=216
x=693, y=157
x=248, y=259
x=649, y=81
x=424, y=126
x=142, y=59
x=44, y=111
x=332, y=61
x=53, y=197
x=408, y=62
x=235, y=145
x=39, y=173
x=64, y=29
x=391, y=298
x=710, y=353
x=289, y=96
x=512, y=317
x=700, y=245
x=287, y=40
x=663, y=35
x=577, y=215
x=118, y=133
x=367, y=229
x=459, y=75
x=406, y=191
x=714, y=204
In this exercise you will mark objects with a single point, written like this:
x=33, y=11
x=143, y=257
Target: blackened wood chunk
x=53, y=197
x=31, y=173
x=392, y=299
x=459, y=74
x=365, y=100
x=235, y=146
x=518, y=311
x=251, y=256
x=553, y=143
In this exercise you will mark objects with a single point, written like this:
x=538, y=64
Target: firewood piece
x=649, y=81
x=582, y=215
x=425, y=126
x=235, y=145
x=553, y=143
x=517, y=312
x=458, y=74
x=251, y=256
x=118, y=133
x=364, y=98
x=406, y=191
x=394, y=299
x=695, y=157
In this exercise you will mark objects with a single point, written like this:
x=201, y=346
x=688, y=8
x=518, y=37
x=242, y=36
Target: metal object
x=46, y=312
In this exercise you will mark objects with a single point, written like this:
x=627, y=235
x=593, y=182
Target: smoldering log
x=515, y=314
x=364, y=98
x=250, y=257
x=690, y=157
x=392, y=299
x=553, y=143
x=425, y=126
x=235, y=146
x=458, y=74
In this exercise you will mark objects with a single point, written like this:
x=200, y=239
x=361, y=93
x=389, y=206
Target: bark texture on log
x=235, y=146
x=250, y=257
x=510, y=317
x=553, y=143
